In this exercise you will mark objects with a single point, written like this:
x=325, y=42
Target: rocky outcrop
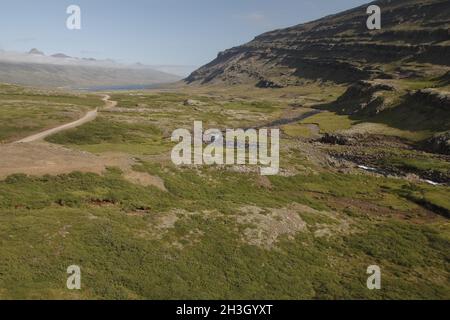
x=264, y=83
x=364, y=97
x=440, y=143
x=339, y=139
x=192, y=103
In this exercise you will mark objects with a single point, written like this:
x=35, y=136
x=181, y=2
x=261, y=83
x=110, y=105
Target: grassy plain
x=221, y=232
x=25, y=111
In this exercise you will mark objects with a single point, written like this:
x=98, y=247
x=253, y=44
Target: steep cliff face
x=338, y=48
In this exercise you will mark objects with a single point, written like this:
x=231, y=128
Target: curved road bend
x=88, y=117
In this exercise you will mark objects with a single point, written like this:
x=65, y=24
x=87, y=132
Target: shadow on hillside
x=409, y=114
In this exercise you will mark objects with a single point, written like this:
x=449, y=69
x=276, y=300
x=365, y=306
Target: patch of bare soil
x=261, y=227
x=40, y=158
x=264, y=182
x=161, y=224
x=145, y=179
x=265, y=227
x=167, y=221
x=314, y=129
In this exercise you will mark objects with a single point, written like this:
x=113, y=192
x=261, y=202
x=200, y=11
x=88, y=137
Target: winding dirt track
x=109, y=104
x=36, y=157
x=91, y=115
x=88, y=117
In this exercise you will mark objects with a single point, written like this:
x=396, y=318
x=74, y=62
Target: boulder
x=191, y=103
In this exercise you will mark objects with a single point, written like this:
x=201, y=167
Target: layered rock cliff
x=338, y=48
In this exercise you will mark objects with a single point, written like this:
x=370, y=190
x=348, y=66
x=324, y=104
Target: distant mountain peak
x=36, y=51
x=60, y=55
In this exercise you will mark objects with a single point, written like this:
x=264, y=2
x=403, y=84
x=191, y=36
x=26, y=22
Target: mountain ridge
x=75, y=77
x=60, y=70
x=338, y=47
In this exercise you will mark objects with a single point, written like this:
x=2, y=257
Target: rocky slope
x=339, y=48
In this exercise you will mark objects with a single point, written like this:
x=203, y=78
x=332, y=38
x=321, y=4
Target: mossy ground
x=50, y=223
x=110, y=227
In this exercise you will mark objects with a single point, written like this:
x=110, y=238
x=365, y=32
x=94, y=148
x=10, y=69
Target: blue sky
x=181, y=32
